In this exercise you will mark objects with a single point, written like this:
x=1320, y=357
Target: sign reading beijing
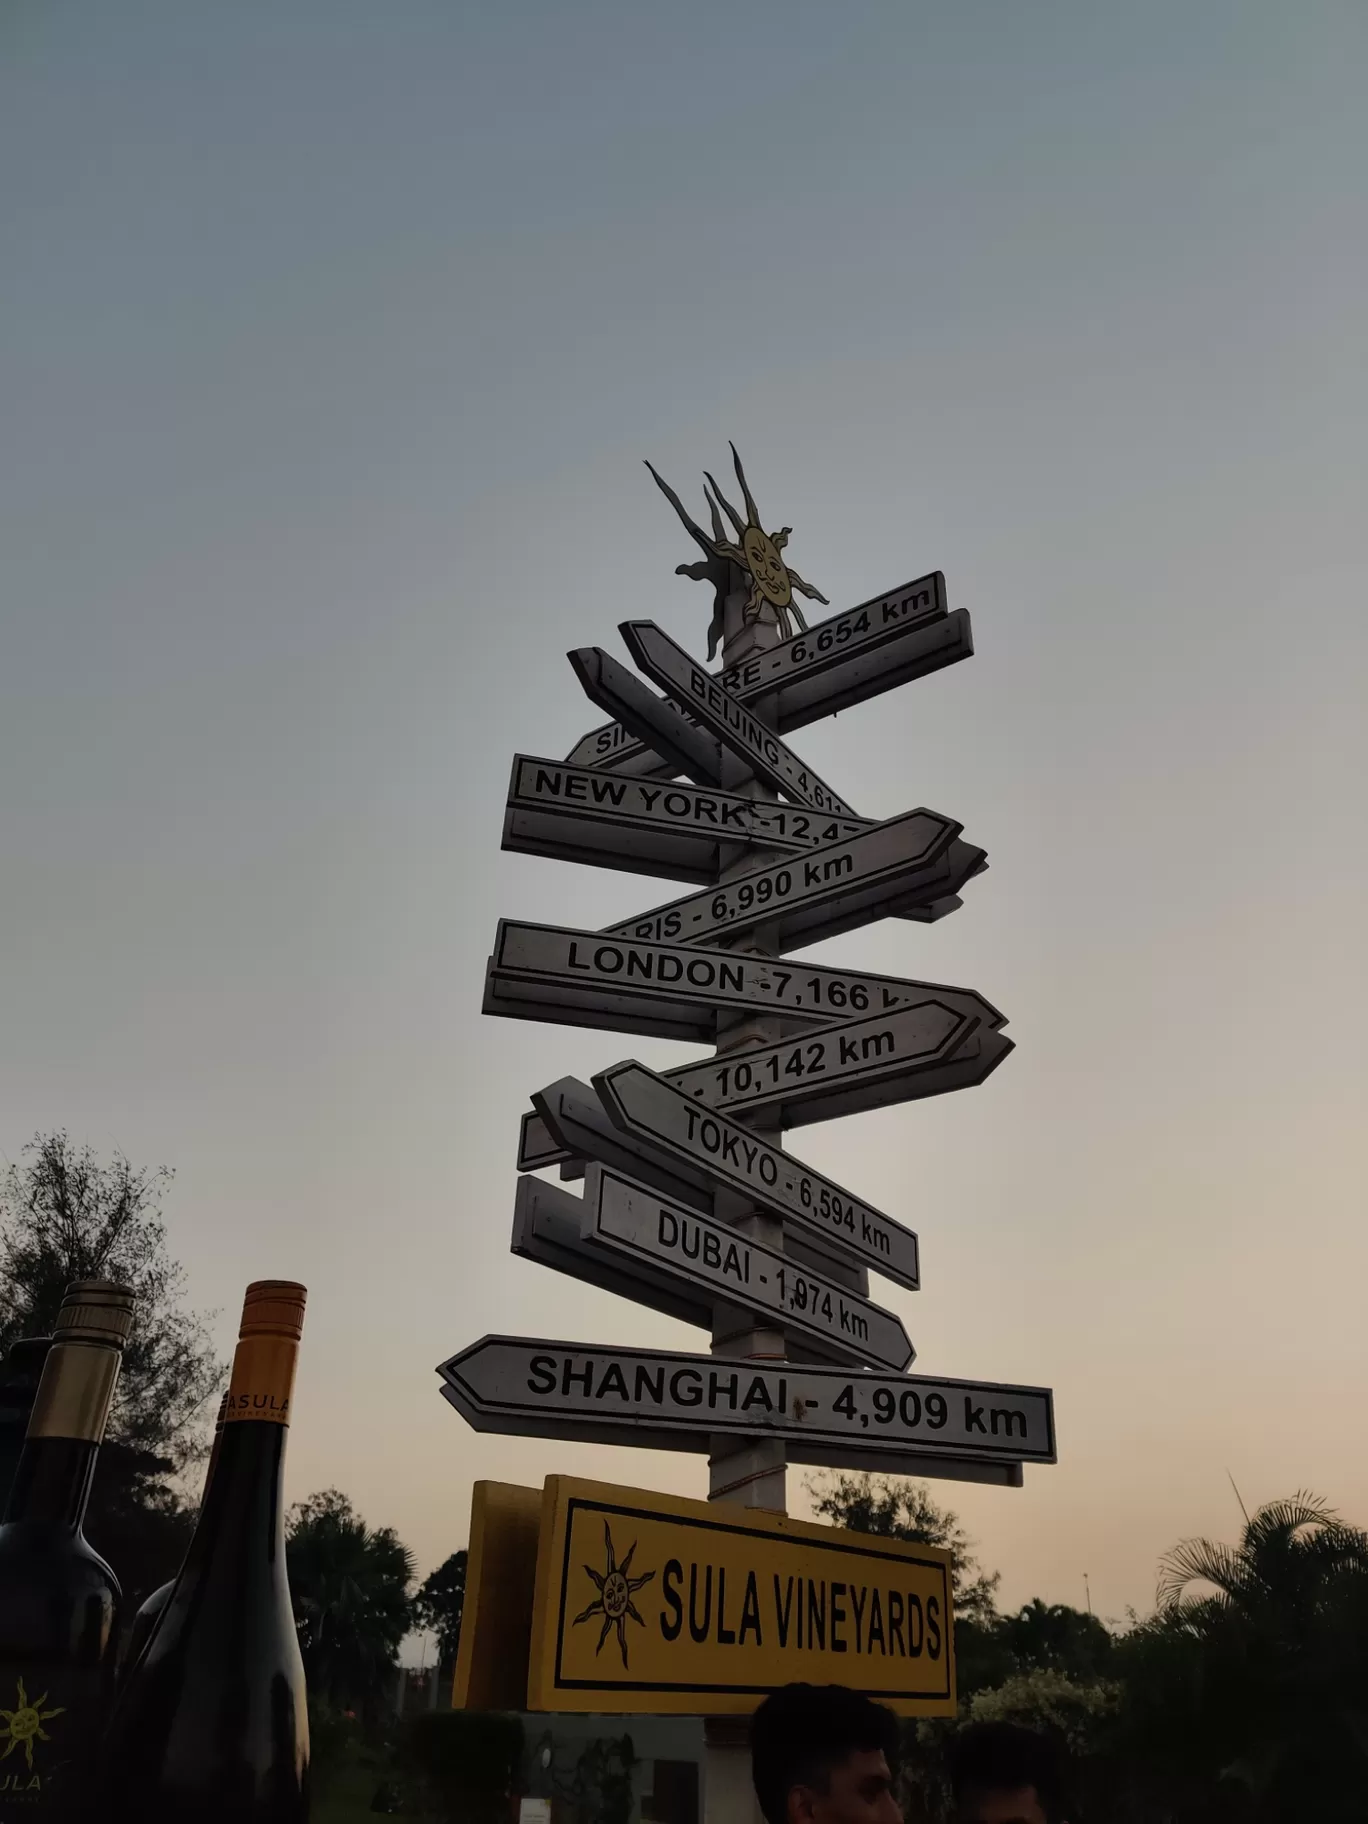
x=656, y=1605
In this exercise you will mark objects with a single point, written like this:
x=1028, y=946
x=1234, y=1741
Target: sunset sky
x=334, y=337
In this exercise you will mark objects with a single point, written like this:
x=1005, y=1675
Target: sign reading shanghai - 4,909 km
x=530, y=1388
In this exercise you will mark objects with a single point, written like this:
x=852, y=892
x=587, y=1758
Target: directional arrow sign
x=581, y=813
x=867, y=1063
x=723, y=1153
x=682, y=745
x=537, y=1148
x=864, y=876
x=574, y=1117
x=908, y=1424
x=735, y=726
x=844, y=660
x=664, y=1238
x=581, y=978
x=548, y=1228
x=816, y=675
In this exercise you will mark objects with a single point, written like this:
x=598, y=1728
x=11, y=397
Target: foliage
x=1049, y=1701
x=1055, y=1638
x=349, y=1584
x=1259, y=1679
x=894, y=1507
x=466, y=1761
x=65, y=1216
x=439, y=1604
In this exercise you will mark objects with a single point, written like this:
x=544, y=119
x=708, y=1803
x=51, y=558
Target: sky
x=334, y=336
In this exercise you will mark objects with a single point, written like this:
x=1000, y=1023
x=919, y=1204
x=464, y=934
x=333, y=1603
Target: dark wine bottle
x=212, y=1723
x=150, y=1613
x=20, y=1373
x=58, y=1597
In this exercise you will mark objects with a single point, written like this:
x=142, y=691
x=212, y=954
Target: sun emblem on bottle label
x=23, y=1726
x=615, y=1592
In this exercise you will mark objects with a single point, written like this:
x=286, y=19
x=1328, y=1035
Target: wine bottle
x=150, y=1612
x=212, y=1724
x=20, y=1373
x=58, y=1597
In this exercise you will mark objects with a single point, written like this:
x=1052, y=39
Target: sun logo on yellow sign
x=615, y=1592
x=24, y=1725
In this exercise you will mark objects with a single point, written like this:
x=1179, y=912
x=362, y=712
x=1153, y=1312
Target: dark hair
x=801, y=1732
x=1004, y=1757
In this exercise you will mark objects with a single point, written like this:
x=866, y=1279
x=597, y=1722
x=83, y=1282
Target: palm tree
x=1259, y=1657
x=349, y=1583
x=1291, y=1559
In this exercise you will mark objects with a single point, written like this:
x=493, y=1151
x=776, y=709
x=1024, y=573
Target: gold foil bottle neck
x=273, y=1307
x=95, y=1311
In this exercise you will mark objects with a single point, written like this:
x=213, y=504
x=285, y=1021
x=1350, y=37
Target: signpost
x=692, y=1206
x=903, y=1423
x=843, y=883
x=723, y=1152
x=845, y=660
x=737, y=727
x=654, y=1604
x=670, y=990
x=650, y=826
x=669, y=1241
x=670, y=742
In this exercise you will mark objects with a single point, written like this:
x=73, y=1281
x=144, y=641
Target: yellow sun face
x=756, y=552
x=767, y=567
x=23, y=1725
x=615, y=1592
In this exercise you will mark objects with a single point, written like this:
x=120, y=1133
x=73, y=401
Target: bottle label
x=74, y=1394
x=50, y=1718
x=263, y=1380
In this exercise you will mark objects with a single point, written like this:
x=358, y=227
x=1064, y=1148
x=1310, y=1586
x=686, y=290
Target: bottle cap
x=95, y=1311
x=274, y=1307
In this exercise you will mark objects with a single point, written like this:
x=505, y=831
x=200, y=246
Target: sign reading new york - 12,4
x=659, y=1605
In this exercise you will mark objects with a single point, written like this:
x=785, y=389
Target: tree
x=439, y=1605
x=349, y=1584
x=893, y=1507
x=66, y=1216
x=1255, y=1668
x=1052, y=1637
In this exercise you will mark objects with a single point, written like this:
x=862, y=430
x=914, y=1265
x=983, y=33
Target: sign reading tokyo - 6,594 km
x=652, y=1603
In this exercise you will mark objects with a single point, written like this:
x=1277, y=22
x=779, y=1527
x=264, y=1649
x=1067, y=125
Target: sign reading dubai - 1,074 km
x=690, y=1203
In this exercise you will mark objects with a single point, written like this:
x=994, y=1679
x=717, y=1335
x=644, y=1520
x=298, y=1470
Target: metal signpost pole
x=754, y=1475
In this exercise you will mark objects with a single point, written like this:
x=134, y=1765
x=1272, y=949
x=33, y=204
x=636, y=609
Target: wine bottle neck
x=243, y=1512
x=66, y=1426
x=52, y=1483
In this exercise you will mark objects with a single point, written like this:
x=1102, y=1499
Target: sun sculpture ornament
x=756, y=552
x=615, y=1592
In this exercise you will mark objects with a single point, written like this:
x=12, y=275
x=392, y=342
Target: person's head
x=821, y=1754
x=1001, y=1773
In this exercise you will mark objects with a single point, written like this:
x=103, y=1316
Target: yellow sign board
x=491, y=1660
x=654, y=1604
